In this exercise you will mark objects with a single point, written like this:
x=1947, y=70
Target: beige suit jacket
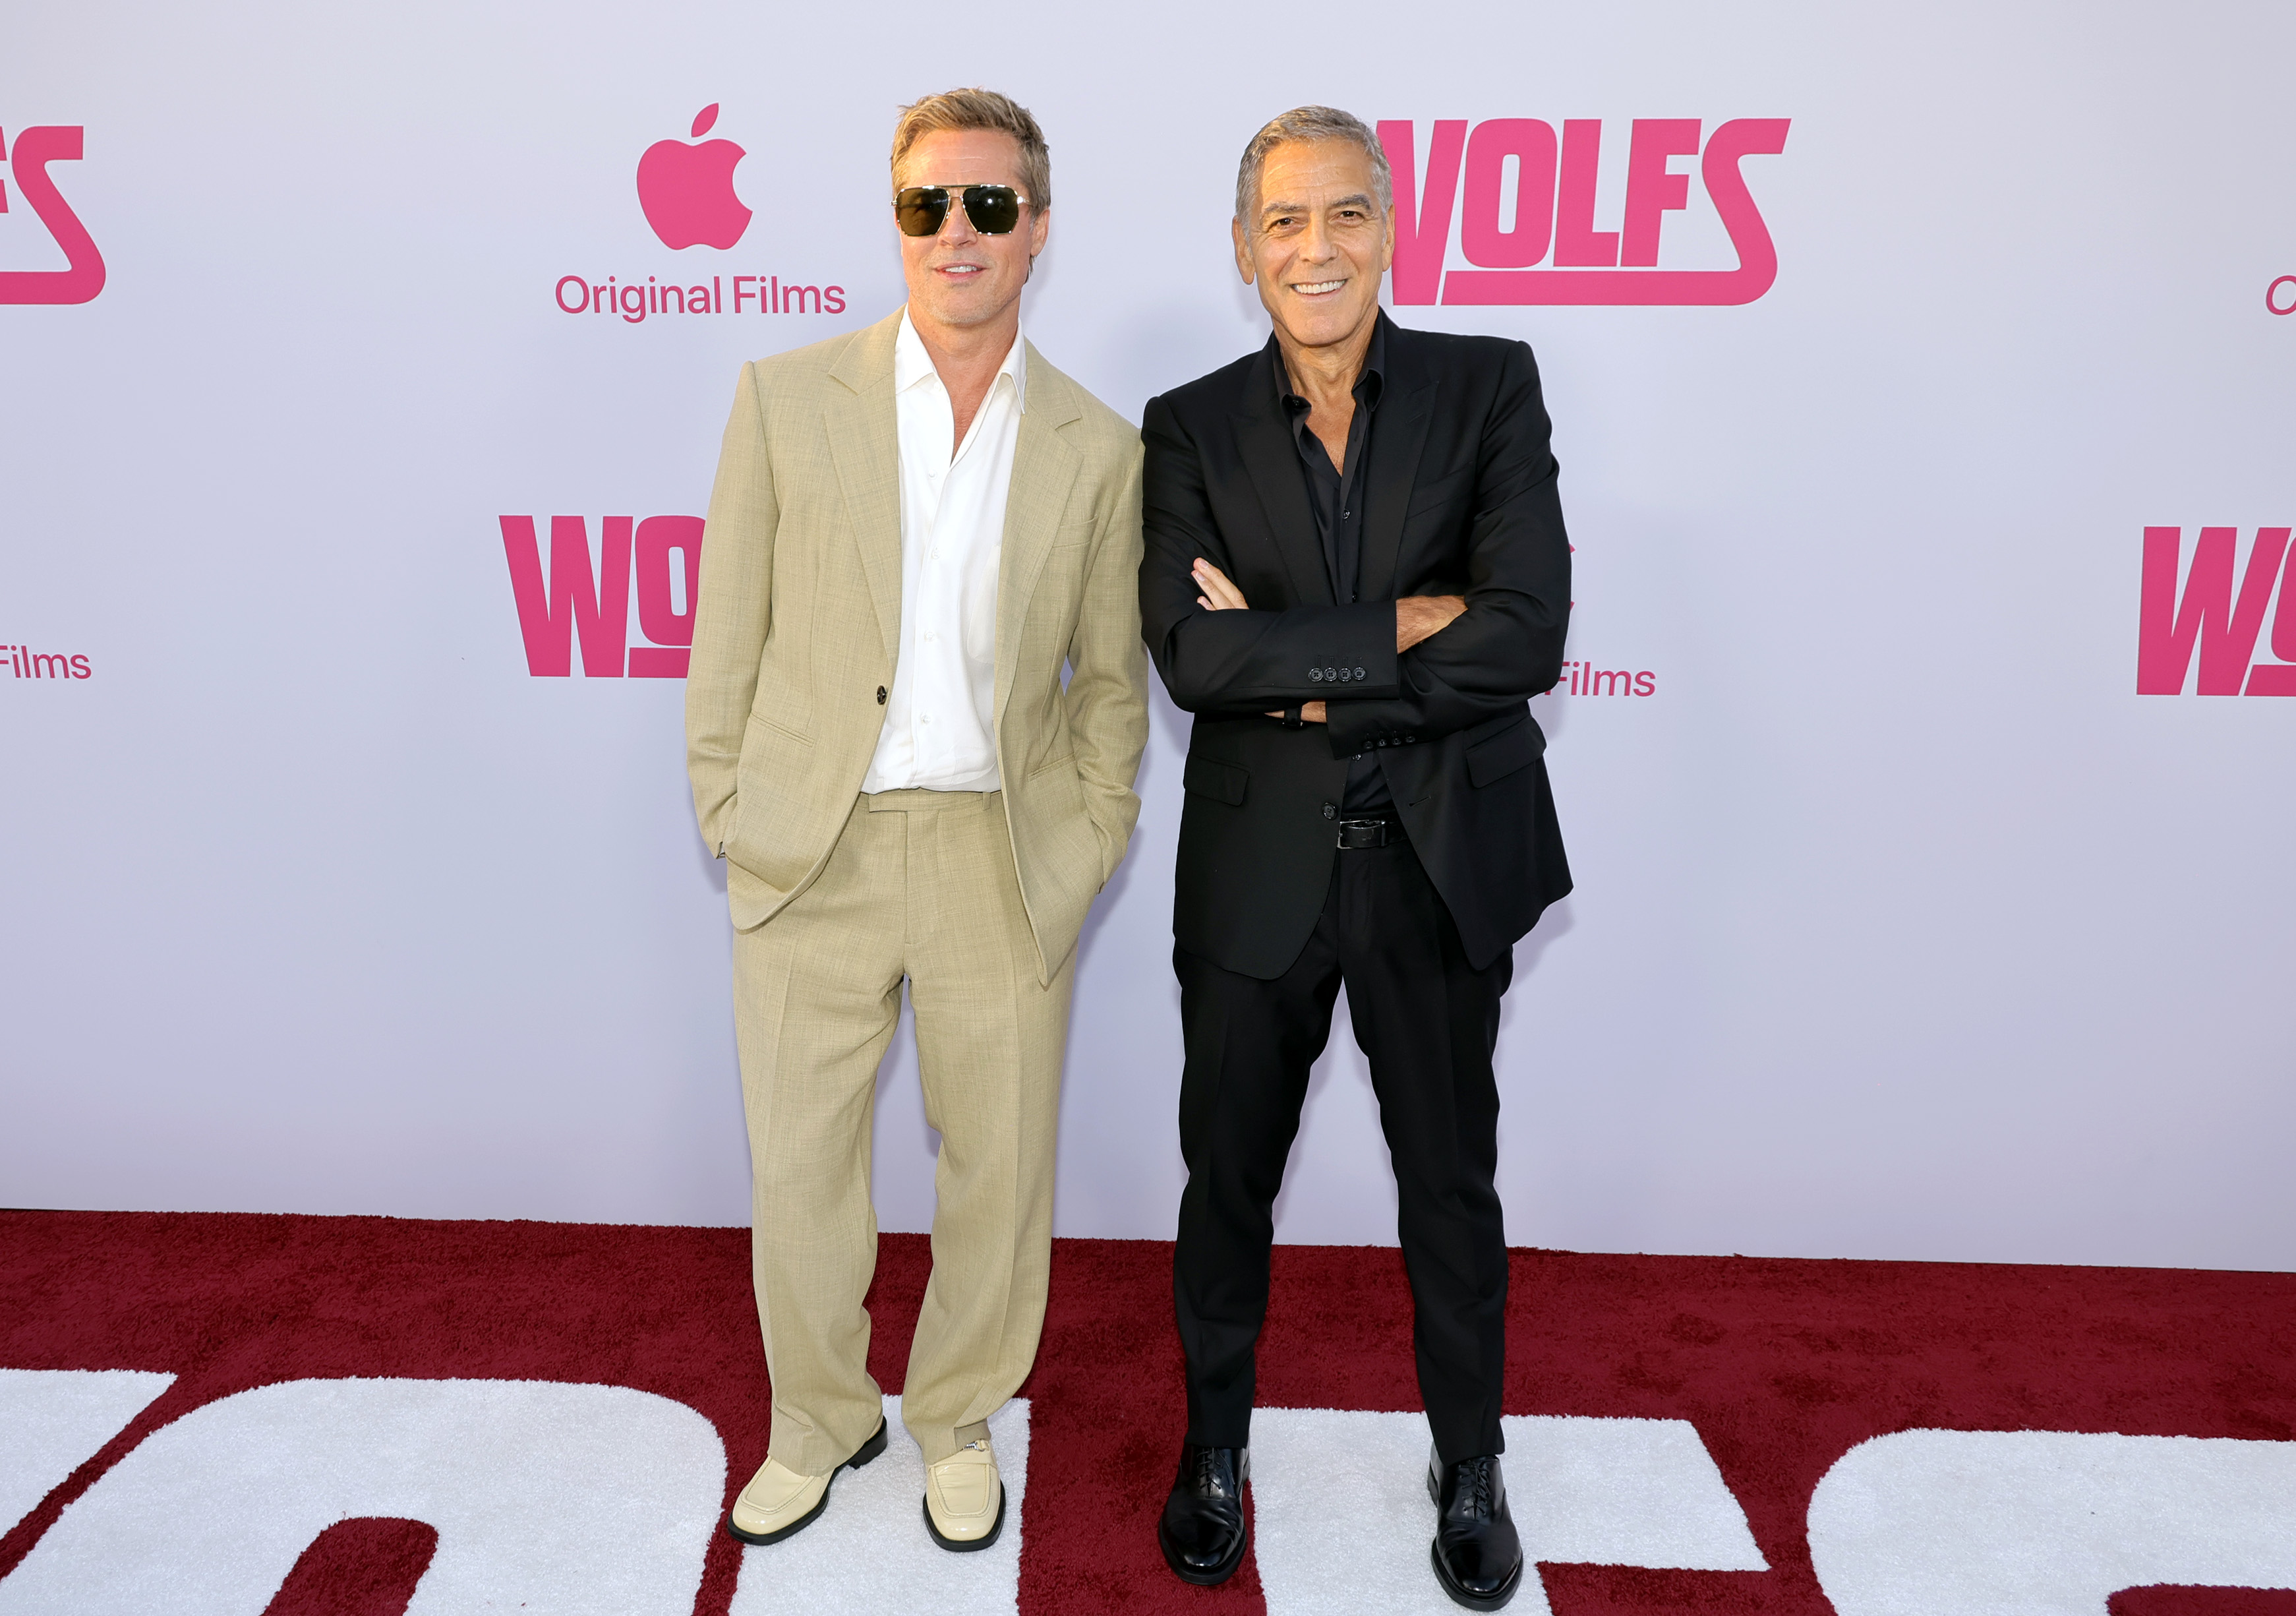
x=798, y=624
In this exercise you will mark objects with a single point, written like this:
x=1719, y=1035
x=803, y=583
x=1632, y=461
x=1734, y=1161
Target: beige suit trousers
x=921, y=886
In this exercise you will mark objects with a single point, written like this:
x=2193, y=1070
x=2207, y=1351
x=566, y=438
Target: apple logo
x=687, y=192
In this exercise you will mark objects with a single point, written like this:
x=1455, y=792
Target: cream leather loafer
x=964, y=1498
x=778, y=1501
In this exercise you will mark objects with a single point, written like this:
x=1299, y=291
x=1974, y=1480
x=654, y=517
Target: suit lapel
x=865, y=442
x=1398, y=435
x=1264, y=438
x=1044, y=466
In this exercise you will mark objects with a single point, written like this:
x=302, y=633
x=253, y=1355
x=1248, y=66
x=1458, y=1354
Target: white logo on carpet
x=563, y=1499
x=584, y=1499
x=54, y=1421
x=2047, y=1522
x=1339, y=1505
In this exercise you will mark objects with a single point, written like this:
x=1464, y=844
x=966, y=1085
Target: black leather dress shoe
x=1202, y=1533
x=1478, y=1556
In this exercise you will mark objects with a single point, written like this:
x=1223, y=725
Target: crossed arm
x=1416, y=617
x=1427, y=666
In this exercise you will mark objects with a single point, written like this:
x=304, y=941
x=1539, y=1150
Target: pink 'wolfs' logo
x=1552, y=221
x=687, y=192
x=83, y=278
x=2211, y=616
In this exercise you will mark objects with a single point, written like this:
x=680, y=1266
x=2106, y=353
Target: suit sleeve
x=733, y=608
x=1107, y=692
x=1508, y=646
x=1243, y=662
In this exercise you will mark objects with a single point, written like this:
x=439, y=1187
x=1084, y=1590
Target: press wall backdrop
x=1920, y=380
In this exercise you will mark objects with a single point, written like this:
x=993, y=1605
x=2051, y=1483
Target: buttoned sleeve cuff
x=1350, y=652
x=1370, y=726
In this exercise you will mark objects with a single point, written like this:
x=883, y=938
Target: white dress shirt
x=941, y=721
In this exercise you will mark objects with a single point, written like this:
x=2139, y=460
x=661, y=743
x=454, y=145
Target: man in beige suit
x=913, y=528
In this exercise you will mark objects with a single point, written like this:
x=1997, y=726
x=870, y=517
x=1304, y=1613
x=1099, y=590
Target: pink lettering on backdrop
x=1486, y=238
x=2208, y=617
x=83, y=277
x=1652, y=191
x=1422, y=214
x=2279, y=680
x=594, y=606
x=1578, y=244
x=658, y=618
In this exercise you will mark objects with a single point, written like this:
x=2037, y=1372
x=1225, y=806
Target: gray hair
x=1309, y=124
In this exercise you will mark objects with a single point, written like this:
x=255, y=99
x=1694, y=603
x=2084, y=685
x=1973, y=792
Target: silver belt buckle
x=1357, y=833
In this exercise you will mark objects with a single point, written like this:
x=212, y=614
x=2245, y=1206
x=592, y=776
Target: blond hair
x=979, y=108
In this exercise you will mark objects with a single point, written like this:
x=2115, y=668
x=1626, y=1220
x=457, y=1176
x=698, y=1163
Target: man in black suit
x=1355, y=576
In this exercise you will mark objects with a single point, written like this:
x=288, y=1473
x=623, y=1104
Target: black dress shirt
x=1337, y=496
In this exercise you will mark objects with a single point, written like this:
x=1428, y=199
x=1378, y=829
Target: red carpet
x=1783, y=1366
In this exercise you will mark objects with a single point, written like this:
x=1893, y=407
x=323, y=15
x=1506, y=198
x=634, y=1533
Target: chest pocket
x=1442, y=491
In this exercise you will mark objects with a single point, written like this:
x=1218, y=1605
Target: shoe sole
x=1459, y=1596
x=956, y=1546
x=862, y=1454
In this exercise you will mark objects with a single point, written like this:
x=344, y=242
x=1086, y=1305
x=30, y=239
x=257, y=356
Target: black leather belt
x=1369, y=832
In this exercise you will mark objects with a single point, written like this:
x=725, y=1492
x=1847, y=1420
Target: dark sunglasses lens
x=920, y=209
x=993, y=210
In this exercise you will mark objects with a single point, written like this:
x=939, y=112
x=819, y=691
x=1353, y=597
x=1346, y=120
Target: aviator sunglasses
x=923, y=210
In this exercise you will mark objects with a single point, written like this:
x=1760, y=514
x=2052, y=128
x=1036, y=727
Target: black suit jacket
x=1461, y=501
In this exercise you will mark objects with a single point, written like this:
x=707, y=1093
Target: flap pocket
x=1512, y=748
x=1221, y=781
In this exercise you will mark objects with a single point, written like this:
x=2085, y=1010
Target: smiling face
x=962, y=278
x=1319, y=241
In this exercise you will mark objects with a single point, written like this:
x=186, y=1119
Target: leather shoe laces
x=1213, y=1478
x=1475, y=1500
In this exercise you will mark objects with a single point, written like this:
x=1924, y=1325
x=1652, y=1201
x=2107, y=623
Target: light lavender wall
x=1904, y=927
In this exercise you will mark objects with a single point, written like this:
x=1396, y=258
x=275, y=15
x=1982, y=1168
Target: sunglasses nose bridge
x=957, y=224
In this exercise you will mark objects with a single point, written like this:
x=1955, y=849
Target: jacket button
x=1331, y=673
x=1331, y=810
x=1316, y=675
x=881, y=696
x=1359, y=673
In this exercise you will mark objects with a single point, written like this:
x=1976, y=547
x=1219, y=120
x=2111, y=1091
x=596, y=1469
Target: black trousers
x=1429, y=1022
